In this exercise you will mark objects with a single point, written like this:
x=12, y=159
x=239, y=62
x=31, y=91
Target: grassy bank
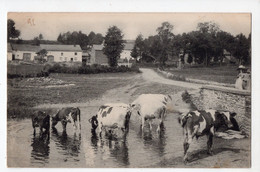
x=23, y=94
x=222, y=74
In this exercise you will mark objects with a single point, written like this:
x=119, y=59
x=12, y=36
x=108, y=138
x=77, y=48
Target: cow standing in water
x=42, y=120
x=111, y=116
x=65, y=115
x=150, y=107
x=205, y=122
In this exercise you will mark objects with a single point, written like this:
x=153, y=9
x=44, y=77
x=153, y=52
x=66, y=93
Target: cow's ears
x=232, y=114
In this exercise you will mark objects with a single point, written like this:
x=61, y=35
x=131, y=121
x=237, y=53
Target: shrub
x=91, y=69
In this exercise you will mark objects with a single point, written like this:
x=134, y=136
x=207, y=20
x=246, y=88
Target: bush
x=91, y=69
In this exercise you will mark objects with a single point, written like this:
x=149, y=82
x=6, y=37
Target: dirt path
x=152, y=76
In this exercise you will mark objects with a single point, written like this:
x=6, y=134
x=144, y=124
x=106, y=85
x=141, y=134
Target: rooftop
x=57, y=47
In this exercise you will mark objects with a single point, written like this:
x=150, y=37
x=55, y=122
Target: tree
x=139, y=45
x=165, y=36
x=12, y=32
x=190, y=59
x=113, y=45
x=42, y=53
x=241, y=49
x=134, y=53
x=40, y=37
x=36, y=41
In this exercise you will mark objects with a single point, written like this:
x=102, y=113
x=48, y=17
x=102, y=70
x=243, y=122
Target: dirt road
x=138, y=150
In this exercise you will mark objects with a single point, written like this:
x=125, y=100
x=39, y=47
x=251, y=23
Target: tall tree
x=113, y=45
x=165, y=36
x=139, y=45
x=241, y=49
x=12, y=32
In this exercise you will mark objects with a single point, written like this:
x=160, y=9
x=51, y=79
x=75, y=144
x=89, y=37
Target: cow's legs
x=142, y=125
x=186, y=145
x=209, y=143
x=150, y=124
x=34, y=131
x=64, y=124
x=159, y=126
x=100, y=130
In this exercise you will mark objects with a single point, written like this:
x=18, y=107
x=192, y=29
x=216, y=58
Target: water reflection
x=153, y=141
x=119, y=150
x=70, y=145
x=40, y=149
x=111, y=146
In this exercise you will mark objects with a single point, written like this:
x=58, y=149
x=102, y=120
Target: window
x=75, y=53
x=61, y=54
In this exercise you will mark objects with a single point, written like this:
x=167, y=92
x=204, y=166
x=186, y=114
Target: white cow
x=151, y=106
x=112, y=116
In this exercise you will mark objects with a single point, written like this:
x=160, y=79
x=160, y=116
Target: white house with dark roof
x=62, y=53
x=25, y=52
x=126, y=53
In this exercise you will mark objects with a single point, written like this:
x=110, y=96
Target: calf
x=199, y=123
x=151, y=106
x=65, y=115
x=41, y=120
x=112, y=116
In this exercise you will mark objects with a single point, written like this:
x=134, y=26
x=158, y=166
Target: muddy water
x=83, y=149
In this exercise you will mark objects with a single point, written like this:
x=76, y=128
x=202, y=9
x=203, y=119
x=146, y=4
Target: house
x=126, y=53
x=9, y=52
x=62, y=53
x=25, y=52
x=97, y=56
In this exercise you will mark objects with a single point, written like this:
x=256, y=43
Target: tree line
x=205, y=44
x=75, y=37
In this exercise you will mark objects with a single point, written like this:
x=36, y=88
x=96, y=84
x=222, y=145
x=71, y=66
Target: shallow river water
x=83, y=149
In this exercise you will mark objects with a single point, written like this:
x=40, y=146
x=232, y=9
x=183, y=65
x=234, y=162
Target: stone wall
x=224, y=98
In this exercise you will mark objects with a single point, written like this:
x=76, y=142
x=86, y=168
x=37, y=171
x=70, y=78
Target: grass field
x=223, y=74
x=22, y=97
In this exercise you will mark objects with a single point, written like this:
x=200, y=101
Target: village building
x=62, y=53
x=25, y=52
x=98, y=57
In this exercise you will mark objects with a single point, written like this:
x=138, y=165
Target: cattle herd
x=116, y=116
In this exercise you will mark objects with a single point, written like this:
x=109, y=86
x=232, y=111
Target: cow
x=204, y=122
x=151, y=106
x=42, y=120
x=65, y=115
x=111, y=116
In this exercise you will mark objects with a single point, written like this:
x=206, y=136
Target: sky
x=131, y=24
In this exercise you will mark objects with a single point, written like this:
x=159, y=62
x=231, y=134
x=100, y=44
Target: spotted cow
x=204, y=122
x=112, y=116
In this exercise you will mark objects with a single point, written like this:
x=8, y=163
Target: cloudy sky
x=51, y=24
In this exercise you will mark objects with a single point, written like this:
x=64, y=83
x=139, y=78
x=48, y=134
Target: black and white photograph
x=129, y=90
x=107, y=88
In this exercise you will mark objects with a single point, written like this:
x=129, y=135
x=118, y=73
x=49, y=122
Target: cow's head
x=224, y=118
x=74, y=112
x=38, y=118
x=94, y=122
